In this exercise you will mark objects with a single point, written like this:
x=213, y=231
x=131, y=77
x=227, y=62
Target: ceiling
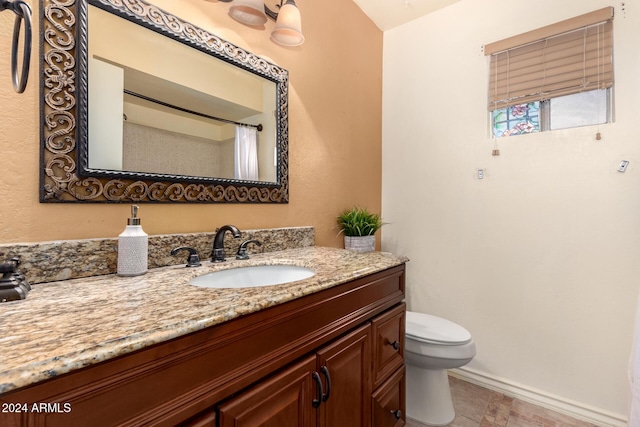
x=388, y=14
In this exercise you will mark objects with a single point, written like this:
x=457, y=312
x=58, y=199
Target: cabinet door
x=345, y=365
x=389, y=402
x=388, y=343
x=283, y=400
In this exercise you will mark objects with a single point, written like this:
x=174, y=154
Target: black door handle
x=325, y=371
x=395, y=345
x=397, y=414
x=319, y=392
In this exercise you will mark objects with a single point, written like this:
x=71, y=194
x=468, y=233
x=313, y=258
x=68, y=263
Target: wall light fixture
x=288, y=28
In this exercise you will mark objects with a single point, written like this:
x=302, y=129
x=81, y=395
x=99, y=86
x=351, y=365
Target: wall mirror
x=141, y=106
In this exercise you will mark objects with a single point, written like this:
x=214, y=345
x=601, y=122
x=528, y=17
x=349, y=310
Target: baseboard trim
x=575, y=409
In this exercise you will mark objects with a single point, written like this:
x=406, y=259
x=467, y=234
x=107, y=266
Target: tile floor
x=480, y=407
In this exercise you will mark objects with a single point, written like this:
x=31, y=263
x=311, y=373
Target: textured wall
x=335, y=96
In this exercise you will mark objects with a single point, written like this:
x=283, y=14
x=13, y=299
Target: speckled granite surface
x=67, y=325
x=71, y=259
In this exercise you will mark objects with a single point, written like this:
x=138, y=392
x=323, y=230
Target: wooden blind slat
x=527, y=99
x=556, y=86
x=531, y=70
x=539, y=72
x=558, y=45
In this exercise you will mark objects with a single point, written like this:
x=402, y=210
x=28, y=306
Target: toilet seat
x=432, y=329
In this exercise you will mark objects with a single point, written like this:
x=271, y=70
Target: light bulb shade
x=288, y=28
x=248, y=12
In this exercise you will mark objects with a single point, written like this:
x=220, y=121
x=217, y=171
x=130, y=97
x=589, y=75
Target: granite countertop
x=71, y=324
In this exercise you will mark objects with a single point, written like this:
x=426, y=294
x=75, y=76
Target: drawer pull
x=319, y=392
x=395, y=345
x=325, y=371
x=397, y=414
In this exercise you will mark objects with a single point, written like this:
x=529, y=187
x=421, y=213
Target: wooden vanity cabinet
x=328, y=388
x=280, y=401
x=261, y=369
x=346, y=366
x=343, y=372
x=388, y=344
x=389, y=401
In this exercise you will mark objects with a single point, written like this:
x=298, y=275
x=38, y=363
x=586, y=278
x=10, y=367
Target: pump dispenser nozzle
x=134, y=220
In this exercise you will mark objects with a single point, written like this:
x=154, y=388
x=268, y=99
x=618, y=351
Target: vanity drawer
x=388, y=402
x=388, y=343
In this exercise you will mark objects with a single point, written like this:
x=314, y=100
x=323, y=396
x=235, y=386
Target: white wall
x=540, y=260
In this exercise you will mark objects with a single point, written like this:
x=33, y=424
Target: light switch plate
x=622, y=167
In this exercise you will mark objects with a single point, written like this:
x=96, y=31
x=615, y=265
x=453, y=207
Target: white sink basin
x=252, y=276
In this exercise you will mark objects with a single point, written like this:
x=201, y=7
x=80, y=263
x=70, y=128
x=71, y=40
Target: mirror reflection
x=153, y=131
x=157, y=106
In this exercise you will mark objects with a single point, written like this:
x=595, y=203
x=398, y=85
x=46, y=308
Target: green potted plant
x=359, y=226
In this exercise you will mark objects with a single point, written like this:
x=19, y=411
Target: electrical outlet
x=480, y=173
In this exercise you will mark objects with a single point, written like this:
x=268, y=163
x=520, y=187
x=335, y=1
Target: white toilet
x=433, y=345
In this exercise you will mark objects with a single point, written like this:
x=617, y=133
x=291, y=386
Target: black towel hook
x=23, y=13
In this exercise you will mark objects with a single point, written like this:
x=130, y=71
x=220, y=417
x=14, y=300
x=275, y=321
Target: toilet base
x=429, y=396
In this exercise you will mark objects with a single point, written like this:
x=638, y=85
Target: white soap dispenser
x=133, y=247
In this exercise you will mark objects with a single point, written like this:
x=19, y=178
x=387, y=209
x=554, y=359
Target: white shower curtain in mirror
x=246, y=164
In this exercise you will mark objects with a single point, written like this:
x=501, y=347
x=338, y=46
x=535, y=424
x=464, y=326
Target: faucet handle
x=193, y=260
x=242, y=250
x=10, y=266
x=13, y=284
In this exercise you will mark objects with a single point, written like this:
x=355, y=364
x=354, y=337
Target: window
x=579, y=109
x=568, y=111
x=556, y=77
x=516, y=119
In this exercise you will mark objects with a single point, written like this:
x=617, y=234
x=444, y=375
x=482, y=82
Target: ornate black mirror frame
x=64, y=84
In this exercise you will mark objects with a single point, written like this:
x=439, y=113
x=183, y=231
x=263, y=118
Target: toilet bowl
x=433, y=345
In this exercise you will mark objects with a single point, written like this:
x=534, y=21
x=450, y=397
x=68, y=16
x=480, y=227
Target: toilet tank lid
x=426, y=327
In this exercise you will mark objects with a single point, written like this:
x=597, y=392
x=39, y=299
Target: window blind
x=571, y=56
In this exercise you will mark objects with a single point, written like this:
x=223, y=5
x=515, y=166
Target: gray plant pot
x=360, y=243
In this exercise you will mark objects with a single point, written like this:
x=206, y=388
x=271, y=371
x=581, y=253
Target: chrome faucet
x=218, y=242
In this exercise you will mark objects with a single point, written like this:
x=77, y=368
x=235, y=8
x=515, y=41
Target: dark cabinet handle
x=319, y=392
x=325, y=371
x=395, y=345
x=397, y=414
